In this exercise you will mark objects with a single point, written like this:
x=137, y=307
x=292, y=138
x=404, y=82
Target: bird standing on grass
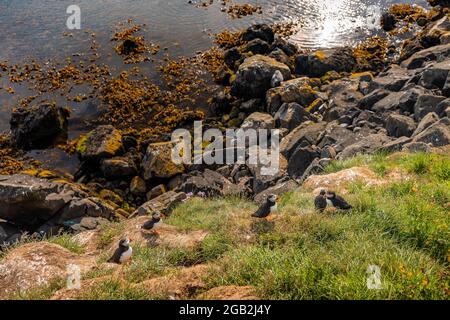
x=153, y=223
x=123, y=253
x=267, y=208
x=337, y=201
x=320, y=201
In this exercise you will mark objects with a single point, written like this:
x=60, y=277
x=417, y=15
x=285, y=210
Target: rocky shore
x=328, y=104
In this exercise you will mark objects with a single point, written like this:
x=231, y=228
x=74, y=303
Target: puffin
x=277, y=79
x=337, y=201
x=267, y=208
x=320, y=201
x=123, y=253
x=153, y=223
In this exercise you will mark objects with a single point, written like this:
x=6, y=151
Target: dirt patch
x=230, y=293
x=37, y=264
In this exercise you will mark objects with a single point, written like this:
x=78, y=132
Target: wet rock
x=425, y=104
x=102, y=142
x=280, y=56
x=287, y=47
x=427, y=121
x=254, y=76
x=388, y=22
x=437, y=135
x=291, y=115
x=400, y=126
x=129, y=46
x=300, y=160
x=232, y=57
x=138, y=186
x=368, y=145
x=257, y=46
x=118, y=167
x=253, y=105
x=162, y=204
x=279, y=189
x=38, y=127
x=304, y=135
x=157, y=162
x=259, y=31
x=297, y=90
x=321, y=62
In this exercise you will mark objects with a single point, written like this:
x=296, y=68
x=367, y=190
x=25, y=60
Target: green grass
x=66, y=241
x=114, y=290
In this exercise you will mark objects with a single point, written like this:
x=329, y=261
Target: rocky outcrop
x=161, y=204
x=41, y=205
x=157, y=162
x=321, y=62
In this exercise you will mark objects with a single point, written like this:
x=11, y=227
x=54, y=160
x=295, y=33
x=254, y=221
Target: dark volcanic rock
x=400, y=126
x=210, y=183
x=305, y=135
x=257, y=46
x=259, y=31
x=254, y=76
x=30, y=201
x=301, y=159
x=321, y=62
x=118, y=167
x=39, y=126
x=437, y=135
x=425, y=104
x=368, y=144
x=157, y=162
x=291, y=115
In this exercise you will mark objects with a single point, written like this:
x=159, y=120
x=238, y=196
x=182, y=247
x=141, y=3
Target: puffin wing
x=263, y=211
x=149, y=224
x=340, y=203
x=116, y=256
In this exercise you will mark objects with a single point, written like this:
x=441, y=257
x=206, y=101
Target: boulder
x=156, y=192
x=38, y=127
x=280, y=56
x=157, y=162
x=425, y=104
x=304, y=135
x=287, y=47
x=417, y=147
x=368, y=144
x=400, y=126
x=259, y=31
x=279, y=189
x=258, y=120
x=319, y=63
x=257, y=46
x=232, y=57
x=300, y=160
x=162, y=204
x=337, y=137
x=102, y=142
x=393, y=79
x=435, y=76
x=373, y=97
x=442, y=107
x=395, y=145
x=427, y=121
x=299, y=90
x=437, y=135
x=254, y=76
x=9, y=234
x=138, y=186
x=291, y=115
x=209, y=183
x=118, y=167
x=30, y=201
x=263, y=179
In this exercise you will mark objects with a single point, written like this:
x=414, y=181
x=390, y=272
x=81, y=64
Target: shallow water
x=34, y=29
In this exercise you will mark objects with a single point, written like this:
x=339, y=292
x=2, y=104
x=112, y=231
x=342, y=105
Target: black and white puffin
x=153, y=223
x=337, y=201
x=123, y=253
x=320, y=202
x=267, y=208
